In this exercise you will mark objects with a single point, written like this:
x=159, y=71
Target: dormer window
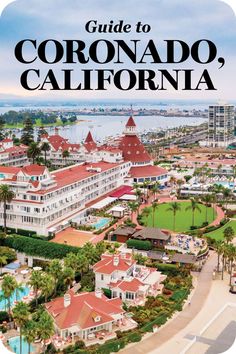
x=97, y=318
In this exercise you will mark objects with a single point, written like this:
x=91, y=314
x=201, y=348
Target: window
x=102, y=277
x=129, y=296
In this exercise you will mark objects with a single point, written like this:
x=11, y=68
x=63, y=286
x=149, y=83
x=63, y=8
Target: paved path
x=200, y=294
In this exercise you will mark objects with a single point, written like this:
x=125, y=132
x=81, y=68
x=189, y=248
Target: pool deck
x=73, y=237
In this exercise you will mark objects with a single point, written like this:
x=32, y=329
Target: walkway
x=167, y=332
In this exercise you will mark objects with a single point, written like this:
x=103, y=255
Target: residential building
x=86, y=314
x=126, y=279
x=221, y=125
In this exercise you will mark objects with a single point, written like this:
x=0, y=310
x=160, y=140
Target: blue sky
x=170, y=19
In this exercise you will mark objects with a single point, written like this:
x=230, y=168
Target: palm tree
x=3, y=261
x=9, y=285
x=228, y=234
x=47, y=286
x=154, y=208
x=71, y=261
x=226, y=194
x=45, y=328
x=193, y=206
x=207, y=200
x=224, y=256
x=68, y=276
x=55, y=270
x=29, y=331
x=174, y=207
x=65, y=155
x=36, y=283
x=155, y=189
x=179, y=182
x=90, y=253
x=219, y=250
x=45, y=147
x=133, y=207
x=33, y=151
x=145, y=213
x=6, y=196
x=21, y=316
x=231, y=255
x=83, y=261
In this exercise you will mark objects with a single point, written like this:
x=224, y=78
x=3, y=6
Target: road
x=168, y=331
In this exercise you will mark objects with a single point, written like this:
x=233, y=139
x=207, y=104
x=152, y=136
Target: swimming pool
x=16, y=296
x=226, y=184
x=101, y=223
x=14, y=343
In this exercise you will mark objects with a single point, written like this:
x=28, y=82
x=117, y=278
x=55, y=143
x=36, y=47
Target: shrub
x=9, y=253
x=139, y=245
x=4, y=316
x=26, y=232
x=166, y=291
x=107, y=292
x=79, y=344
x=168, y=269
x=205, y=223
x=3, y=329
x=133, y=337
x=35, y=247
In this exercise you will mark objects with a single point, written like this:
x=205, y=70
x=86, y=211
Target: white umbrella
x=37, y=268
x=165, y=258
x=24, y=271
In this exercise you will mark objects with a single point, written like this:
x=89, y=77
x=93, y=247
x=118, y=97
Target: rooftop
x=85, y=310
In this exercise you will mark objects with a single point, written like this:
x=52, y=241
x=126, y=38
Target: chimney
x=116, y=260
x=67, y=300
x=98, y=293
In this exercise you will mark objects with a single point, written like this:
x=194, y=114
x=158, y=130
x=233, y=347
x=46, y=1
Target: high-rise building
x=221, y=125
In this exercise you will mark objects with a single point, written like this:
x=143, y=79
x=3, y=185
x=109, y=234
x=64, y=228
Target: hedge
x=40, y=248
x=139, y=245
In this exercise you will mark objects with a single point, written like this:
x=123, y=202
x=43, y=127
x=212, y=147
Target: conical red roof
x=89, y=138
x=131, y=122
x=133, y=149
x=89, y=142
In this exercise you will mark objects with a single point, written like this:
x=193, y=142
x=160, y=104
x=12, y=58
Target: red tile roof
x=131, y=122
x=121, y=191
x=83, y=310
x=133, y=149
x=125, y=285
x=89, y=143
x=74, y=174
x=9, y=169
x=33, y=170
x=106, y=264
x=147, y=171
x=6, y=140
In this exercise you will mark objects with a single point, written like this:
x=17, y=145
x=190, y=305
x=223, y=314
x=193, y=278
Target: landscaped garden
x=219, y=233
x=178, y=216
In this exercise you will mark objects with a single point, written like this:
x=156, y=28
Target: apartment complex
x=221, y=126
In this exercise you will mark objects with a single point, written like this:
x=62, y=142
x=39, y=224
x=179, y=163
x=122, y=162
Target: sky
x=185, y=20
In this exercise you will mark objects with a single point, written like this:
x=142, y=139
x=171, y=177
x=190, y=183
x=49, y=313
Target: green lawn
x=38, y=124
x=183, y=221
x=218, y=234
